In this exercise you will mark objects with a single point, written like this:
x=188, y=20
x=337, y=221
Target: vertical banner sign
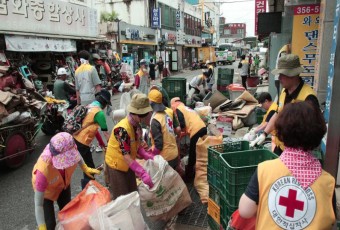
x=305, y=38
x=156, y=18
x=178, y=19
x=260, y=7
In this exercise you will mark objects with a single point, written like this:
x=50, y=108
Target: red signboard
x=307, y=9
x=260, y=7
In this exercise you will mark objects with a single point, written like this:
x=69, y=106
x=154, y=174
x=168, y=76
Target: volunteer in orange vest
x=265, y=99
x=94, y=119
x=162, y=132
x=51, y=177
x=191, y=122
x=293, y=191
x=121, y=153
x=294, y=89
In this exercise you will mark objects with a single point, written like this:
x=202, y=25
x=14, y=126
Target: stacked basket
x=224, y=78
x=230, y=167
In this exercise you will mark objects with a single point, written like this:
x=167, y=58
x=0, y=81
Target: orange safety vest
x=273, y=106
x=169, y=151
x=56, y=183
x=114, y=157
x=86, y=135
x=303, y=94
x=284, y=204
x=193, y=122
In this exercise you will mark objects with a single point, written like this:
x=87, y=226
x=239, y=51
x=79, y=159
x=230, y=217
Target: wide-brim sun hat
x=63, y=151
x=175, y=102
x=139, y=104
x=62, y=71
x=288, y=65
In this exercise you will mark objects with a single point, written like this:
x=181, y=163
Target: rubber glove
x=146, y=155
x=141, y=173
x=42, y=227
x=258, y=141
x=89, y=171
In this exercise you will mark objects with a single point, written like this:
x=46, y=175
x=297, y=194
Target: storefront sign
x=156, y=18
x=178, y=18
x=260, y=7
x=48, y=17
x=170, y=37
x=39, y=44
x=305, y=38
x=134, y=34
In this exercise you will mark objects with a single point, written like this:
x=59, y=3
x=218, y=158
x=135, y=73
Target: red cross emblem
x=170, y=122
x=291, y=203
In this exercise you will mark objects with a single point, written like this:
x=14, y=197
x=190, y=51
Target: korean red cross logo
x=291, y=205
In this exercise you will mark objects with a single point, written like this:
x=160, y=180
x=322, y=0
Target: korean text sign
x=260, y=7
x=48, y=17
x=156, y=18
x=305, y=38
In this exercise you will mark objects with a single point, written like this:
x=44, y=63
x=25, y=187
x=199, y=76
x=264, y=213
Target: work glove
x=42, y=227
x=141, y=173
x=258, y=141
x=89, y=171
x=146, y=155
x=250, y=136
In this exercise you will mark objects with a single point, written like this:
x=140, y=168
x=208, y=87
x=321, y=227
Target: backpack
x=73, y=122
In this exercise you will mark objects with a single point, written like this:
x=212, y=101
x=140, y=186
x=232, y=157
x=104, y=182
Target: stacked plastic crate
x=235, y=165
x=175, y=87
x=225, y=77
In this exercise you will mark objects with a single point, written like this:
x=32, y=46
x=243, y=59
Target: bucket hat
x=288, y=65
x=62, y=71
x=156, y=98
x=96, y=56
x=63, y=151
x=139, y=104
x=105, y=94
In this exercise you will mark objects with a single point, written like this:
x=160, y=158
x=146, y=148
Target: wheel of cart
x=16, y=142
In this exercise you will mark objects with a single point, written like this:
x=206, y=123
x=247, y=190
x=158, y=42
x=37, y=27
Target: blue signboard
x=331, y=69
x=156, y=18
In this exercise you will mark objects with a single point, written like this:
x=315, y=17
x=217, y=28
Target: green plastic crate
x=213, y=179
x=225, y=71
x=224, y=81
x=214, y=168
x=236, y=170
x=226, y=210
x=214, y=195
x=212, y=224
x=175, y=87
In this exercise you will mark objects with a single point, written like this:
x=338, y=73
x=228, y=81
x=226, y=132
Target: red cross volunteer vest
x=56, y=183
x=86, y=135
x=304, y=93
x=193, y=122
x=170, y=150
x=284, y=204
x=114, y=157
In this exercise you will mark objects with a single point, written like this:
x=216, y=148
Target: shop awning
x=193, y=46
x=21, y=43
x=53, y=36
x=138, y=42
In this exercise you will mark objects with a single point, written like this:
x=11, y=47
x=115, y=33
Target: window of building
x=226, y=31
x=192, y=25
x=168, y=17
x=240, y=31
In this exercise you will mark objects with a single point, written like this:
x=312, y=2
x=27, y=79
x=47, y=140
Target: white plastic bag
x=168, y=196
x=122, y=213
x=124, y=100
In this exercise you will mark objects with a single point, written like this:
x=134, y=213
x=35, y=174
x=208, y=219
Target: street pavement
x=17, y=197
